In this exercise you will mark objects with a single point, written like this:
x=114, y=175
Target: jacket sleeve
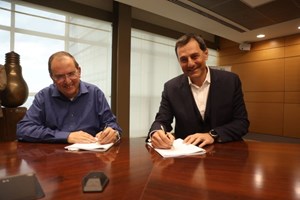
x=232, y=122
x=164, y=116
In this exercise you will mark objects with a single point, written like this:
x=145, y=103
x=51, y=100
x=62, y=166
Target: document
x=180, y=149
x=89, y=147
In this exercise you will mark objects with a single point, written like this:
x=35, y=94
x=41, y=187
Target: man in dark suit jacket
x=207, y=104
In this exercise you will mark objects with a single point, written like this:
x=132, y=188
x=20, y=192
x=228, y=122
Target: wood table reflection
x=236, y=170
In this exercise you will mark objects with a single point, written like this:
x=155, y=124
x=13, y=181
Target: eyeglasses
x=62, y=77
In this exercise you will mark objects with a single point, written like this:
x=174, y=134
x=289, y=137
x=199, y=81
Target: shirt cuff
x=150, y=135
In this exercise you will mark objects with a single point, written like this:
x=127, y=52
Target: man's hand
x=162, y=140
x=81, y=137
x=201, y=139
x=108, y=135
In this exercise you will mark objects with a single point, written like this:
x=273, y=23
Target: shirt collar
x=82, y=90
x=206, y=81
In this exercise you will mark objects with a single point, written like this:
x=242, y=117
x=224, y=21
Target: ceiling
x=236, y=20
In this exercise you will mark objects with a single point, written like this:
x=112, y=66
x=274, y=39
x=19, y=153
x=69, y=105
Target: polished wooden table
x=236, y=170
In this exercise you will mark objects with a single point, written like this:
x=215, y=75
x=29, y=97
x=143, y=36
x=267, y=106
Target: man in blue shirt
x=69, y=110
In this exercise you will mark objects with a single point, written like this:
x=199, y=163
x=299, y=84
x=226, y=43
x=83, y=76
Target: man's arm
x=164, y=117
x=238, y=125
x=32, y=129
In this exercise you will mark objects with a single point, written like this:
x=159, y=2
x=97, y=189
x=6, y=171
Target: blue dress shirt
x=52, y=116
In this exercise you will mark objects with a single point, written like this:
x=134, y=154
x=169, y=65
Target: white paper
x=89, y=147
x=180, y=149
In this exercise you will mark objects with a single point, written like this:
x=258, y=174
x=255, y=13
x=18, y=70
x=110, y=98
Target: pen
x=162, y=128
x=105, y=127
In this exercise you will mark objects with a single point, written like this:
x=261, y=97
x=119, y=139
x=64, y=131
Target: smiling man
x=69, y=110
x=207, y=104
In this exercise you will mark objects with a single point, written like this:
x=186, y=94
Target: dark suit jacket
x=225, y=110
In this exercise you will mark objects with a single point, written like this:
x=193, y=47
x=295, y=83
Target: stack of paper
x=179, y=148
x=89, y=147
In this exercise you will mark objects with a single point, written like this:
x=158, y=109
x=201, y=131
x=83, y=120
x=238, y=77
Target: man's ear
x=79, y=71
x=51, y=78
x=206, y=54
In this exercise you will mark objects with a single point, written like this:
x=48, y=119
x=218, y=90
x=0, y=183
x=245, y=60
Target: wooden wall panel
x=291, y=120
x=292, y=97
x=292, y=39
x=233, y=48
x=261, y=76
x=264, y=97
x=270, y=75
x=265, y=118
x=229, y=51
x=293, y=50
x=268, y=44
x=292, y=74
x=224, y=43
x=252, y=56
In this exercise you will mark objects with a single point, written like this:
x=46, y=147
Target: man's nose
x=190, y=62
x=67, y=78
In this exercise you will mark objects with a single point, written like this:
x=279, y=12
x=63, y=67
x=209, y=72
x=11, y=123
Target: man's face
x=66, y=76
x=193, y=60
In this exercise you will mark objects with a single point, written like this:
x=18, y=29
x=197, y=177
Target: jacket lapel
x=211, y=99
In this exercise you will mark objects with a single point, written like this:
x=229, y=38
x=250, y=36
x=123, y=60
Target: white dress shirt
x=201, y=93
